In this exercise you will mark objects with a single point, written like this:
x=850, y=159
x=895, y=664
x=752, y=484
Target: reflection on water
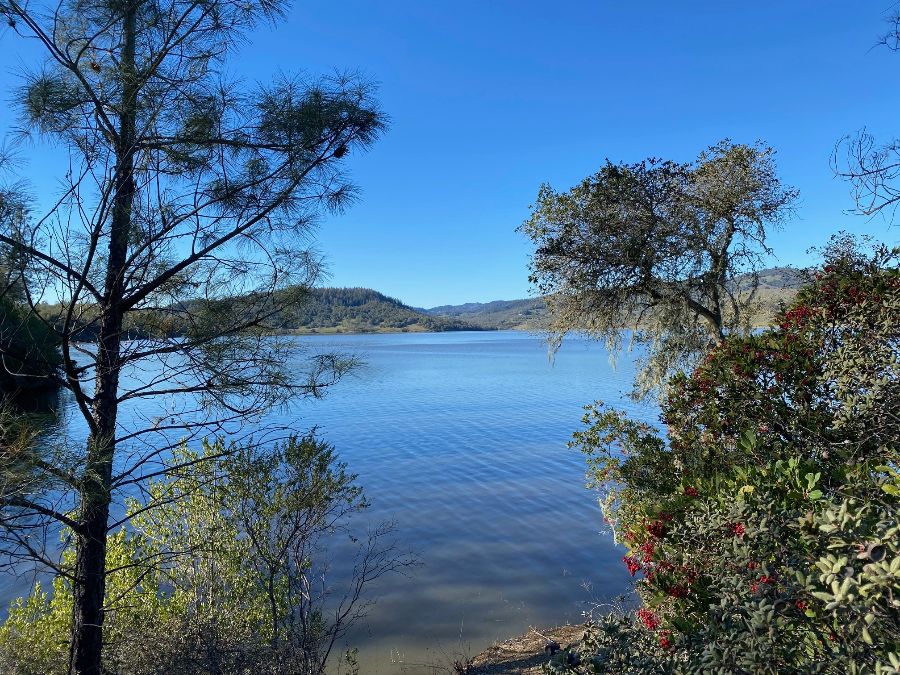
x=460, y=438
x=41, y=404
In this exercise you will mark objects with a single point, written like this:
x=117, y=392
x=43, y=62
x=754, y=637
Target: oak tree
x=667, y=250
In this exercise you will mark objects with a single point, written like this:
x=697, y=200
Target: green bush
x=763, y=529
x=226, y=573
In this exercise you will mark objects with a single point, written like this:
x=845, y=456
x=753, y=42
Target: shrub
x=225, y=574
x=763, y=529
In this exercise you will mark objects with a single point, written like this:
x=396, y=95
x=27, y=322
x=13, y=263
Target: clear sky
x=490, y=98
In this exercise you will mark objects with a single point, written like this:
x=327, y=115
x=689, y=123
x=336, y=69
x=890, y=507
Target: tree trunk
x=90, y=570
x=90, y=543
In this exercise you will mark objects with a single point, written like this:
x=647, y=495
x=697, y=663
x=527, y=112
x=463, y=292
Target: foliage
x=360, y=309
x=224, y=575
x=765, y=527
x=669, y=251
x=30, y=352
x=184, y=195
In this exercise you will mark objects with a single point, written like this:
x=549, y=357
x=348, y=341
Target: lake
x=460, y=439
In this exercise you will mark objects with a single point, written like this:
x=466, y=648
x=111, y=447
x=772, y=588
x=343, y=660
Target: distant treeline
x=359, y=310
x=29, y=350
x=362, y=310
x=294, y=309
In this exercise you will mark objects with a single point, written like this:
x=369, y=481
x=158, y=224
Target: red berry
x=664, y=642
x=632, y=564
x=649, y=619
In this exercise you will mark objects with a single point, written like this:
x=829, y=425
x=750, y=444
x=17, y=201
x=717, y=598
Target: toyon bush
x=762, y=530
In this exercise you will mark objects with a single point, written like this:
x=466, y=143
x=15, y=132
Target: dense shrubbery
x=226, y=574
x=764, y=529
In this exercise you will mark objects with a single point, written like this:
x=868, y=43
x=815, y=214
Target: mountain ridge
x=776, y=284
x=364, y=310
x=360, y=310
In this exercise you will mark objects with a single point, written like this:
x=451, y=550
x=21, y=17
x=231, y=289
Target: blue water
x=460, y=439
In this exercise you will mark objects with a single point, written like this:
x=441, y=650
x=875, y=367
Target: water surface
x=460, y=439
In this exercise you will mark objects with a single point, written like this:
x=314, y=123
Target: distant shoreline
x=383, y=331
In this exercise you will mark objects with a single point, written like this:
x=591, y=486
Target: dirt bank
x=523, y=655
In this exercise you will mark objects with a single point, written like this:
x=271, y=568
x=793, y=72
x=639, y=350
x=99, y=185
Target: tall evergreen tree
x=182, y=189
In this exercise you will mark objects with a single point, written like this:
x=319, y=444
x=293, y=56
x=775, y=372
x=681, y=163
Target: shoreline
x=522, y=655
x=383, y=331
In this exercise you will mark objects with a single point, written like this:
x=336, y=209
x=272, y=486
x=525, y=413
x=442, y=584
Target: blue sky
x=490, y=98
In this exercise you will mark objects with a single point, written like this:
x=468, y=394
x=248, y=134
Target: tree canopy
x=667, y=250
x=181, y=190
x=763, y=528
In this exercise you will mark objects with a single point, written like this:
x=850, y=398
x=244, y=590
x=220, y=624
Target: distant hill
x=776, y=284
x=319, y=310
x=360, y=310
x=781, y=278
x=500, y=314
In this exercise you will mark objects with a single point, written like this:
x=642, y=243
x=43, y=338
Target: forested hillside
x=501, y=314
x=318, y=310
x=363, y=310
x=354, y=310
